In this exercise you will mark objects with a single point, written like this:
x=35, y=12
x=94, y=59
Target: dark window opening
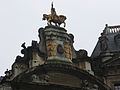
x=117, y=86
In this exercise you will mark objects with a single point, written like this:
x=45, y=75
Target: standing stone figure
x=103, y=43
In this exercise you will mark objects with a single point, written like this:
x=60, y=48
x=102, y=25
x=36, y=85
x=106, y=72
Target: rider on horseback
x=53, y=17
x=53, y=12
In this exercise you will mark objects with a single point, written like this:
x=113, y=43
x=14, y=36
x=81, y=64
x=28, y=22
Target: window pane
x=117, y=86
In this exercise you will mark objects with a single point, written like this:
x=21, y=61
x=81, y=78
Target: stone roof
x=109, y=41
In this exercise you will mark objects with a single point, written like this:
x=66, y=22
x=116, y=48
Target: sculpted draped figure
x=53, y=17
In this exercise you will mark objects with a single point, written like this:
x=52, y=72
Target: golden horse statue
x=53, y=17
x=58, y=20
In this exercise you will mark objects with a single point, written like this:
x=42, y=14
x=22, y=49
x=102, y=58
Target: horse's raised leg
x=49, y=22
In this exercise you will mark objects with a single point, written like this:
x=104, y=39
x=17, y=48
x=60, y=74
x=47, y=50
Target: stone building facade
x=106, y=62
x=52, y=63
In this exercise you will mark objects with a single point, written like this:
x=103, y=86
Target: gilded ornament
x=53, y=17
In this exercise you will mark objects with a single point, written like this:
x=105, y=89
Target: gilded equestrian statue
x=53, y=17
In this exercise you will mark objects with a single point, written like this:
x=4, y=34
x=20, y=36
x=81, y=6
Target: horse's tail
x=62, y=16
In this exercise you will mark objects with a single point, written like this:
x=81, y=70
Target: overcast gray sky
x=21, y=19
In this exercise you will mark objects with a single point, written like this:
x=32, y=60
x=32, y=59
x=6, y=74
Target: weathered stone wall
x=64, y=79
x=5, y=87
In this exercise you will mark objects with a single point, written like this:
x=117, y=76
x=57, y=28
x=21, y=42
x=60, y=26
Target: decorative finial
x=106, y=25
x=7, y=72
x=23, y=45
x=54, y=18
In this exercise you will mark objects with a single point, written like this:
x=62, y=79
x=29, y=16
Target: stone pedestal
x=58, y=44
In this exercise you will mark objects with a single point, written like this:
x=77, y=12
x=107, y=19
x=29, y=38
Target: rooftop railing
x=112, y=29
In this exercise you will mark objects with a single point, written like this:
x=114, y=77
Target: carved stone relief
x=103, y=43
x=40, y=78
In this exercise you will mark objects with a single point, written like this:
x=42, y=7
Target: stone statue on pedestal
x=53, y=17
